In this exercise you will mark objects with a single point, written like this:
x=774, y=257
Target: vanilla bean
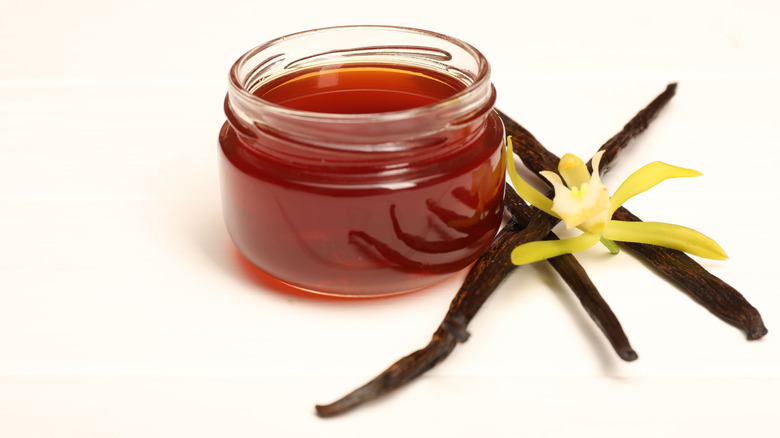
x=711, y=292
x=572, y=272
x=483, y=278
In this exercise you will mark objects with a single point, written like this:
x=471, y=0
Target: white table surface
x=126, y=312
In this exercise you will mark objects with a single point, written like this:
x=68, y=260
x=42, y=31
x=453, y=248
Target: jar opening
x=286, y=82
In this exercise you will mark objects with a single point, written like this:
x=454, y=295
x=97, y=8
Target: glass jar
x=362, y=160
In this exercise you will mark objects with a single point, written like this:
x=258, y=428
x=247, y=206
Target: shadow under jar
x=362, y=161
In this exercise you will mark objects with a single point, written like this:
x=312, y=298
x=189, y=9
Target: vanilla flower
x=582, y=201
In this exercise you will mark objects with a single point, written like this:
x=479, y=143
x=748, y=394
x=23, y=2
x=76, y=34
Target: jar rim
x=480, y=81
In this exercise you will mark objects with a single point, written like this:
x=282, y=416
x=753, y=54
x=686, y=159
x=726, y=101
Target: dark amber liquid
x=339, y=235
x=359, y=90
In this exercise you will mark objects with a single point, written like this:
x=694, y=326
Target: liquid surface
x=359, y=90
x=367, y=240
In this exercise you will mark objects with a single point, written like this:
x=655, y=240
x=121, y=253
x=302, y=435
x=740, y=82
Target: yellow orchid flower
x=582, y=201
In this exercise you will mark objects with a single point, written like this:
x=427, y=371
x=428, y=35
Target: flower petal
x=644, y=179
x=595, y=163
x=554, y=179
x=667, y=235
x=544, y=249
x=573, y=170
x=525, y=190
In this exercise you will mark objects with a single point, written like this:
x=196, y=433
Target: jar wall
x=378, y=242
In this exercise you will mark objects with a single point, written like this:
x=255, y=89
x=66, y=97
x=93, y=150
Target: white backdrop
x=125, y=311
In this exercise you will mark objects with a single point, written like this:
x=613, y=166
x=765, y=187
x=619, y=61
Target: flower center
x=578, y=193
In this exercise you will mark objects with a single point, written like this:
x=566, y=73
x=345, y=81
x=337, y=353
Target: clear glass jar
x=362, y=161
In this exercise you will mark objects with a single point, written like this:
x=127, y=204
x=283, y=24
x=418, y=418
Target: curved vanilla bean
x=710, y=291
x=572, y=272
x=420, y=244
x=483, y=278
x=400, y=373
x=399, y=260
